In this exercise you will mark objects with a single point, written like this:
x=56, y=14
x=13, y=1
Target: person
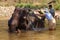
x=51, y=10
x=39, y=21
x=50, y=18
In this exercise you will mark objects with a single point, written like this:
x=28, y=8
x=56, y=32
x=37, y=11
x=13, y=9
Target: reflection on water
x=28, y=35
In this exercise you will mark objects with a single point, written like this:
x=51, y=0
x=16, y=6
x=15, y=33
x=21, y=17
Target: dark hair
x=50, y=6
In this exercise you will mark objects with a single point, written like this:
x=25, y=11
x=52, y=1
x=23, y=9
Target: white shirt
x=48, y=14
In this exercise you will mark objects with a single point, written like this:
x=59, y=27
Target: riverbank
x=6, y=12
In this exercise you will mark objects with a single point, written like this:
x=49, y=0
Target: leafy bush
x=20, y=5
x=25, y=5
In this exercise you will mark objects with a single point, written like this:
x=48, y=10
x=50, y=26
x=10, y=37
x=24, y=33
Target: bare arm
x=40, y=14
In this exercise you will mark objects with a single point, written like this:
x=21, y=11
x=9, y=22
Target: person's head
x=46, y=10
x=50, y=6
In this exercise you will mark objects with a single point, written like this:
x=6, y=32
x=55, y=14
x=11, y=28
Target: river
x=28, y=35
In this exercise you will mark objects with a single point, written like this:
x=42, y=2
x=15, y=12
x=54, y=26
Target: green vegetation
x=25, y=5
x=30, y=3
x=57, y=5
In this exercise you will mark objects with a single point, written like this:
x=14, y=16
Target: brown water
x=28, y=35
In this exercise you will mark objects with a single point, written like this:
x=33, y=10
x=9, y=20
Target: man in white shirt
x=51, y=10
x=50, y=18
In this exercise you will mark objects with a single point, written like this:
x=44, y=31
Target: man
x=50, y=18
x=51, y=10
x=39, y=21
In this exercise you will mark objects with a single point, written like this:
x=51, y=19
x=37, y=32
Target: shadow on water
x=28, y=35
